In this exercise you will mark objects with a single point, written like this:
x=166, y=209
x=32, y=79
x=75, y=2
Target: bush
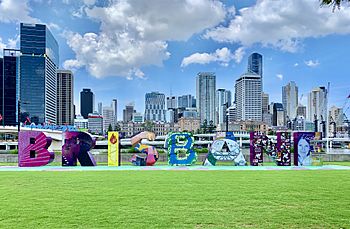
x=201, y=151
x=14, y=151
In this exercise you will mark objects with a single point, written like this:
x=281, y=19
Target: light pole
x=19, y=115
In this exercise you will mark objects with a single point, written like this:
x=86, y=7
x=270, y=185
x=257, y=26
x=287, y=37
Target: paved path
x=174, y=168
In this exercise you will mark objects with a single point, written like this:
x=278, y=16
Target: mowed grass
x=175, y=199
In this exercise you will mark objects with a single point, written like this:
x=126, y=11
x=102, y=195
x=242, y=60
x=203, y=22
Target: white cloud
x=16, y=11
x=296, y=64
x=10, y=44
x=134, y=34
x=279, y=76
x=312, y=63
x=89, y=2
x=238, y=55
x=223, y=56
x=53, y=26
x=282, y=24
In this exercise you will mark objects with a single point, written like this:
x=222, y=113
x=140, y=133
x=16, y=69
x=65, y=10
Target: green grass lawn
x=175, y=199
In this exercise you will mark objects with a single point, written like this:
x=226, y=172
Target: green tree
x=334, y=3
x=211, y=126
x=117, y=127
x=148, y=125
x=110, y=128
x=204, y=126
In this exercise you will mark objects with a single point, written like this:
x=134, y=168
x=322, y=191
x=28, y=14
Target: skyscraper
x=87, y=101
x=317, y=107
x=317, y=104
x=155, y=107
x=278, y=115
x=301, y=111
x=115, y=111
x=108, y=118
x=38, y=70
x=265, y=103
x=65, y=107
x=255, y=64
x=205, y=90
x=99, y=108
x=128, y=112
x=171, y=102
x=186, y=101
x=248, y=90
x=223, y=102
x=290, y=99
x=9, y=87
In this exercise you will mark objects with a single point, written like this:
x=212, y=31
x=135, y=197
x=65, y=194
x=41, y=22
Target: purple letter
x=33, y=149
x=76, y=147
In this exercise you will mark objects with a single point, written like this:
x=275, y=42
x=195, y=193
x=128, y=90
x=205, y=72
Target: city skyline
x=310, y=58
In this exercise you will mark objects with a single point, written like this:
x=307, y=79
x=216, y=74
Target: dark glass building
x=86, y=102
x=9, y=84
x=38, y=70
x=255, y=64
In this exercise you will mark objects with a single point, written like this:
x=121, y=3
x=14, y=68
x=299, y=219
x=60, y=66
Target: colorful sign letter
x=113, y=149
x=225, y=149
x=303, y=147
x=76, y=147
x=33, y=149
x=283, y=149
x=180, y=149
x=149, y=153
x=256, y=148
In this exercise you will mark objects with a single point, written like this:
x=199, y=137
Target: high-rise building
x=108, y=118
x=87, y=100
x=115, y=111
x=38, y=71
x=9, y=87
x=205, y=90
x=265, y=103
x=99, y=107
x=317, y=106
x=95, y=123
x=223, y=102
x=301, y=111
x=81, y=123
x=290, y=99
x=186, y=101
x=232, y=113
x=278, y=115
x=155, y=107
x=128, y=112
x=255, y=64
x=336, y=119
x=65, y=99
x=248, y=90
x=171, y=102
x=137, y=117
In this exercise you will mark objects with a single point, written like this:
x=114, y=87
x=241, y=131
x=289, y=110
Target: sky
x=125, y=48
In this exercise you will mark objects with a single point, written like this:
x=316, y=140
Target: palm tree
x=335, y=3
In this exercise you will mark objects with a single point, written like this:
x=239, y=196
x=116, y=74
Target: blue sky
x=125, y=48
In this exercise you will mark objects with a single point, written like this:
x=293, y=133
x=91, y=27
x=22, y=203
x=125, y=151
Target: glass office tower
x=255, y=64
x=9, y=85
x=38, y=69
